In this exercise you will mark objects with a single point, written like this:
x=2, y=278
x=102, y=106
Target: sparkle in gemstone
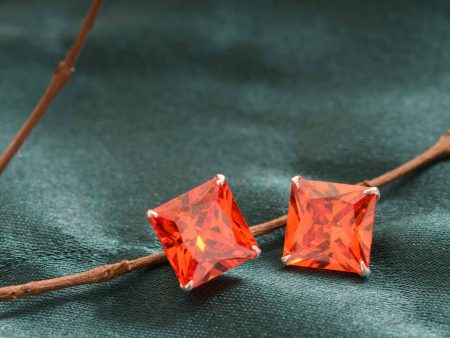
x=203, y=233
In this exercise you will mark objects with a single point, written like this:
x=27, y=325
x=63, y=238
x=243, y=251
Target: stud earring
x=330, y=226
x=203, y=233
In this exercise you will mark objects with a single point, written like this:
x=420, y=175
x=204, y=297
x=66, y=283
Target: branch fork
x=61, y=76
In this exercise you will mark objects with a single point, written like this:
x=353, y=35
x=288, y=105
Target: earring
x=330, y=226
x=203, y=233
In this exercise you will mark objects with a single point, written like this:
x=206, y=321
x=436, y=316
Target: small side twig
x=61, y=76
x=107, y=272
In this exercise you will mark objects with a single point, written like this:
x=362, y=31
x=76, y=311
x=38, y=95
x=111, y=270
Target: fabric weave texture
x=168, y=94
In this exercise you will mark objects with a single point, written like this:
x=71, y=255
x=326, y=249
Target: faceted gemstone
x=203, y=233
x=330, y=226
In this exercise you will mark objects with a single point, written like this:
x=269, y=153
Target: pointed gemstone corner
x=330, y=226
x=203, y=233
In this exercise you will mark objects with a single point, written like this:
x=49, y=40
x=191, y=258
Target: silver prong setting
x=372, y=191
x=365, y=271
x=187, y=287
x=152, y=214
x=257, y=250
x=285, y=259
x=220, y=179
x=296, y=180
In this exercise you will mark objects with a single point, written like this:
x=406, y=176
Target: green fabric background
x=169, y=93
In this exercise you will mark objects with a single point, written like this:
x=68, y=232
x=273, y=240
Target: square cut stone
x=330, y=226
x=203, y=233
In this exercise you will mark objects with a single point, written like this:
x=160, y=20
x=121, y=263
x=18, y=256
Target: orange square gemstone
x=203, y=233
x=330, y=226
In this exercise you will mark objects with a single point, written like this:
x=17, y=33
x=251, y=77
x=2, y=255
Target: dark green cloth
x=169, y=93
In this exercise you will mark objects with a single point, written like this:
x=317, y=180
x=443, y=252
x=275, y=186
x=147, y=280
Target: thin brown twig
x=439, y=150
x=61, y=76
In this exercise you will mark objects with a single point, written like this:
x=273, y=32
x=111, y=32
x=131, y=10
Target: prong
x=152, y=214
x=365, y=271
x=296, y=180
x=220, y=179
x=187, y=287
x=285, y=259
x=257, y=250
x=372, y=191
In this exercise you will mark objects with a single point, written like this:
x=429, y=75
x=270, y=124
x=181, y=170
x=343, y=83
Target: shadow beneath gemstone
x=213, y=288
x=328, y=274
